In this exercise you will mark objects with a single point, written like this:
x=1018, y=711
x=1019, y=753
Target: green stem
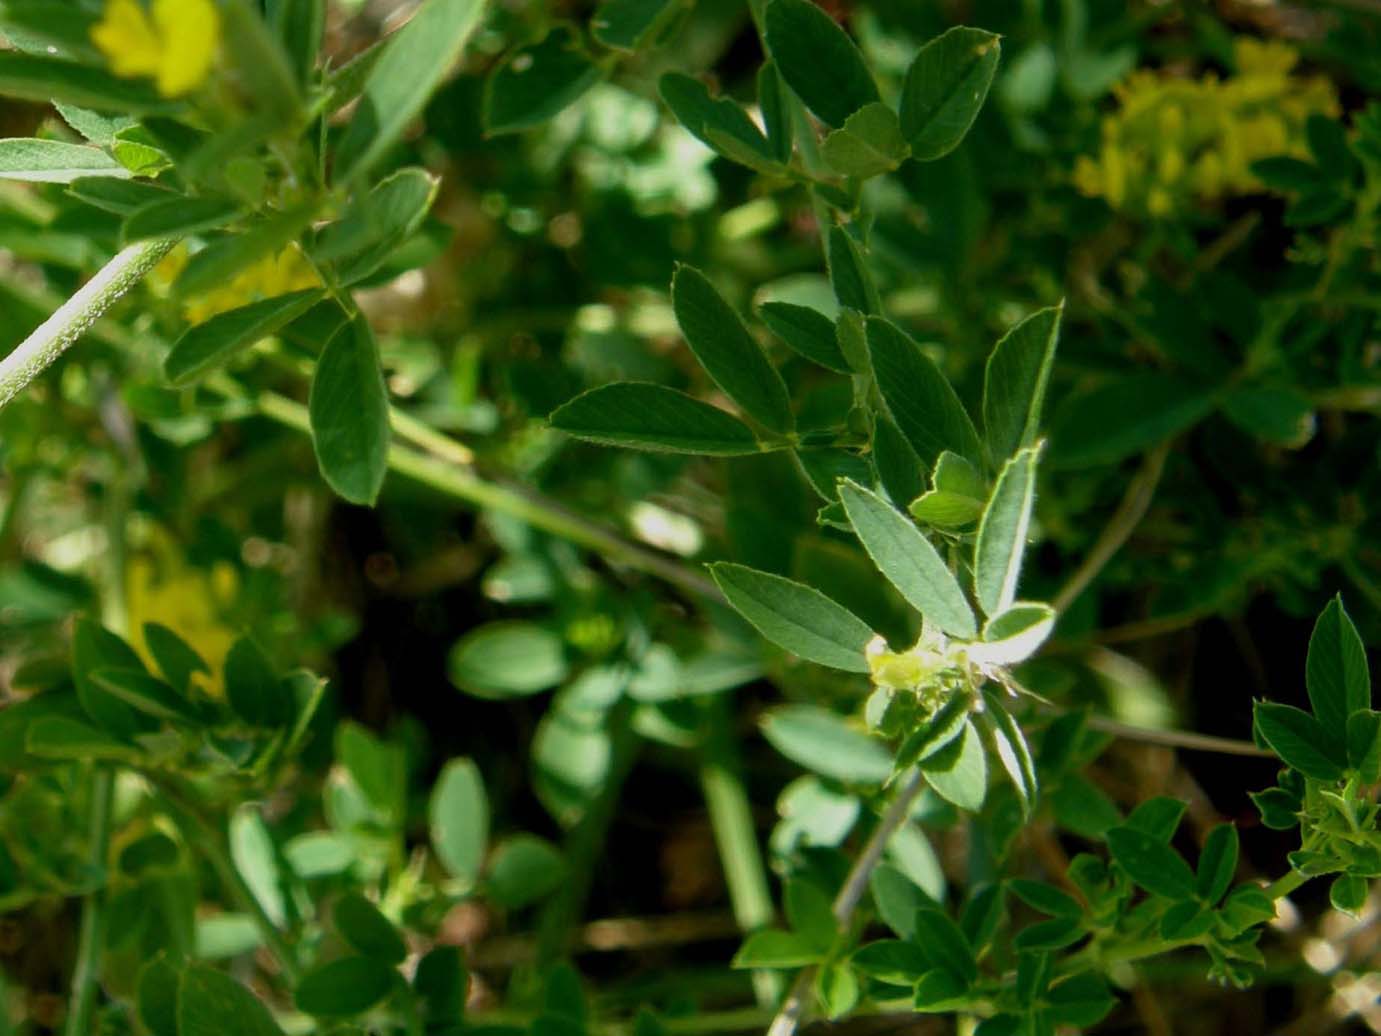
x=462, y=483
x=586, y=842
x=735, y=835
x=75, y=316
x=789, y=1015
x=211, y=843
x=86, y=973
x=1285, y=884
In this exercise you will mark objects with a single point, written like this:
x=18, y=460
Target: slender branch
x=731, y=819
x=1177, y=738
x=86, y=973
x=461, y=482
x=75, y=316
x=1119, y=528
x=846, y=902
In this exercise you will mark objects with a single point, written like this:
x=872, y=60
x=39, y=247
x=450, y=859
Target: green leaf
x=441, y=982
x=210, y=1003
x=94, y=647
x=809, y=913
x=1284, y=173
x=1080, y=1000
x=410, y=65
x=1014, y=635
x=1158, y=817
x=908, y=560
x=1002, y=533
x=1151, y=863
x=61, y=737
x=367, y=930
x=944, y=89
x=1217, y=863
x=868, y=144
x=945, y=510
x=718, y=123
x=729, y=354
x=939, y=731
x=524, y=869
x=344, y=987
x=253, y=689
x=51, y=161
x=298, y=26
x=156, y=999
x=1012, y=750
x=776, y=949
x=46, y=80
x=1364, y=744
x=378, y=769
x=774, y=104
x=940, y=991
x=1123, y=417
x=348, y=407
x=376, y=224
x=652, y=417
x=853, y=284
x=818, y=60
x=1335, y=672
x=1048, y=936
x=919, y=398
x=1300, y=740
x=507, y=659
x=37, y=25
x=176, y=659
x=837, y=989
x=959, y=771
x=1349, y=894
x=807, y=331
x=1275, y=414
x=214, y=342
x=796, y=618
x=177, y=217
x=945, y=944
x=1046, y=898
x=146, y=693
x=115, y=194
x=1015, y=380
x=458, y=815
x=899, y=468
x=535, y=82
x=215, y=264
x=823, y=743
x=892, y=961
x=628, y=24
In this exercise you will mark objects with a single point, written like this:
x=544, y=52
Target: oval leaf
x=795, y=617
x=653, y=417
x=348, y=407
x=945, y=87
x=1002, y=533
x=908, y=560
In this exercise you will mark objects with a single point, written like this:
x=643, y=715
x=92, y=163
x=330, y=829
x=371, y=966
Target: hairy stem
x=846, y=902
x=75, y=316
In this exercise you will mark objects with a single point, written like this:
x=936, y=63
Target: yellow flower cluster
x=278, y=274
x=162, y=587
x=1176, y=142
x=173, y=42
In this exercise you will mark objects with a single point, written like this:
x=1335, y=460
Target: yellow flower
x=1175, y=142
x=163, y=588
x=174, y=42
x=279, y=274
